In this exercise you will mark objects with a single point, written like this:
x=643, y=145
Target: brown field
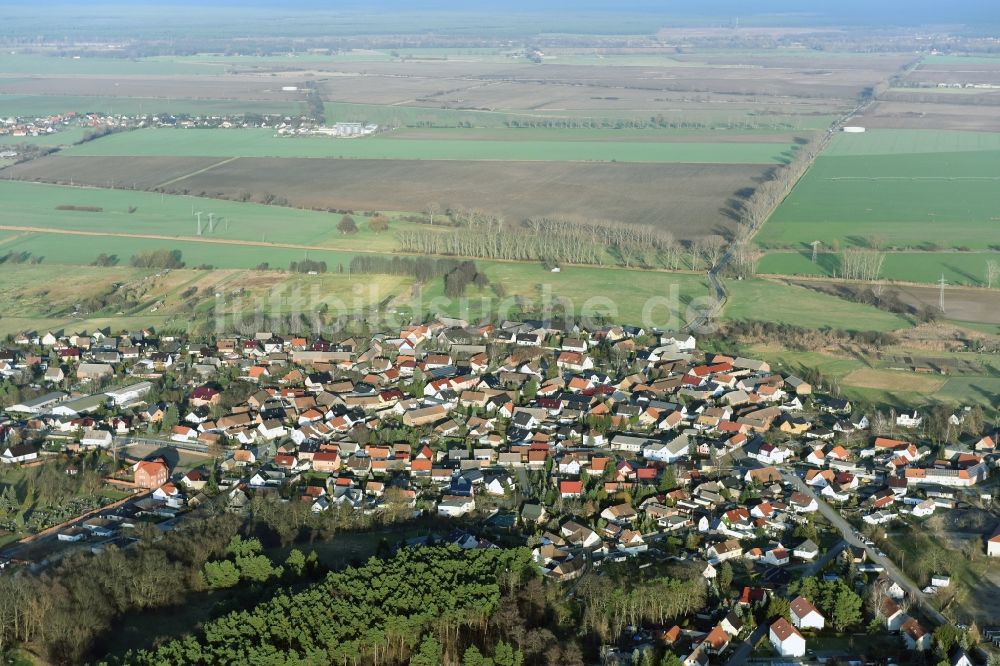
x=942, y=115
x=961, y=303
x=890, y=380
x=106, y=174
x=689, y=199
x=959, y=72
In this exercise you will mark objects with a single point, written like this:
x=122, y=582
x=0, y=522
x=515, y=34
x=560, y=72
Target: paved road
x=850, y=536
x=744, y=649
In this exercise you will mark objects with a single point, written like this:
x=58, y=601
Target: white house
x=668, y=452
x=805, y=615
x=18, y=454
x=96, y=439
x=911, y=420
x=455, y=507
x=786, y=639
x=993, y=544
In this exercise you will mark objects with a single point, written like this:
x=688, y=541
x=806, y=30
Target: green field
x=619, y=295
x=959, y=390
x=907, y=187
x=264, y=143
x=42, y=105
x=766, y=300
x=90, y=66
x=964, y=268
x=34, y=205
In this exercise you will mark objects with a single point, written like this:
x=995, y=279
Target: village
x=617, y=446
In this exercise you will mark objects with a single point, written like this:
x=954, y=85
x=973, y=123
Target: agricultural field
x=771, y=300
x=45, y=104
x=877, y=384
x=557, y=146
x=127, y=212
x=938, y=114
x=967, y=305
x=690, y=200
x=958, y=268
x=905, y=188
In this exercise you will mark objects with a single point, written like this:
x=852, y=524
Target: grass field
x=962, y=268
x=37, y=297
x=34, y=205
x=858, y=380
x=40, y=105
x=619, y=295
x=908, y=187
x=767, y=300
x=264, y=143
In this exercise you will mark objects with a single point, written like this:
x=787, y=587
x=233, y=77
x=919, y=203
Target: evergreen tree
x=429, y=653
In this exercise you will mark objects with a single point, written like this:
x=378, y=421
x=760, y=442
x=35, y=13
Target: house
x=892, y=614
x=807, y=550
x=725, y=550
x=453, y=506
x=18, y=454
x=150, y=473
x=94, y=371
x=915, y=636
x=909, y=420
x=570, y=489
x=96, y=439
x=786, y=639
x=717, y=640
x=620, y=513
x=804, y=615
x=993, y=544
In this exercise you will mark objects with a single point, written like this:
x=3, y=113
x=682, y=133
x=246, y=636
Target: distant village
x=593, y=447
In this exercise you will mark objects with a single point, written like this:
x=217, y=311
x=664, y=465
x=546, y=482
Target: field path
x=195, y=173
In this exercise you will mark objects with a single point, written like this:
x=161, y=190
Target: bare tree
x=433, y=209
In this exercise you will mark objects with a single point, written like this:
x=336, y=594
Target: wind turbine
x=211, y=222
x=199, y=222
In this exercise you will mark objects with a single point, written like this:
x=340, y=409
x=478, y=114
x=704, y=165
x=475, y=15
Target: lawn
x=34, y=205
x=768, y=300
x=908, y=187
x=265, y=143
x=959, y=268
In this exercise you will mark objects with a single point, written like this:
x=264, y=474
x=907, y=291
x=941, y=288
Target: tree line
x=157, y=259
x=422, y=269
x=555, y=241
